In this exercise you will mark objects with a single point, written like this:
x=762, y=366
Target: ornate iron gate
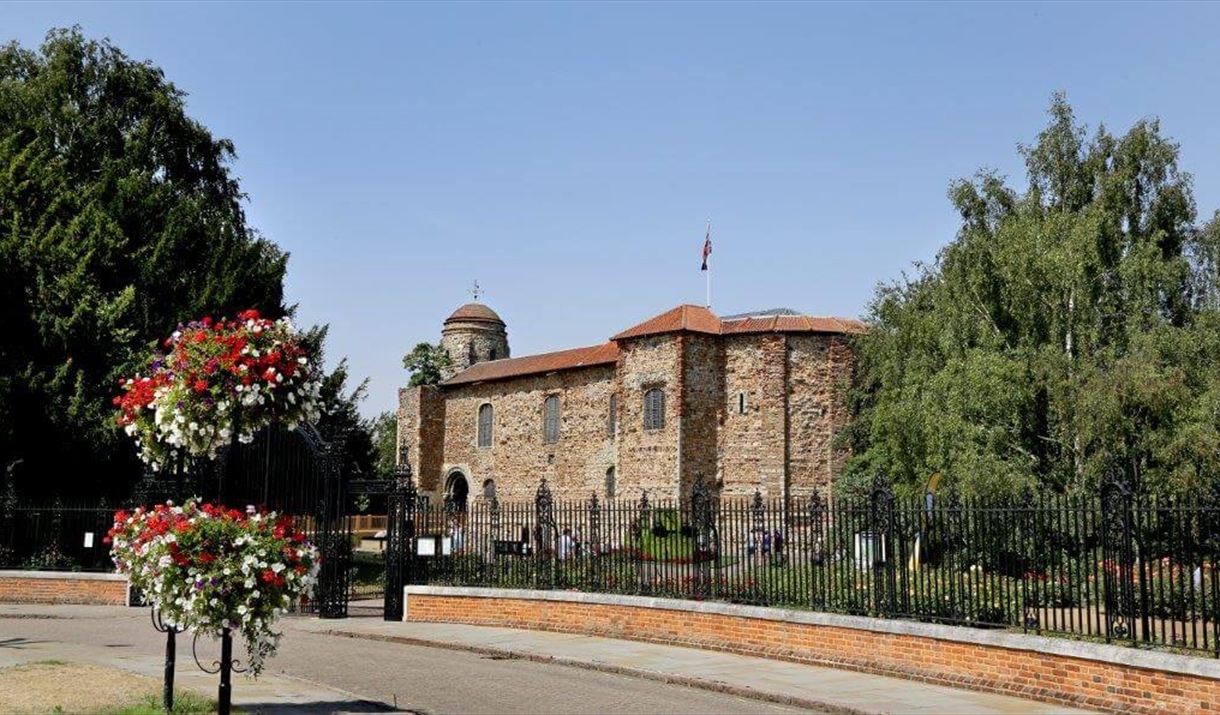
x=293, y=472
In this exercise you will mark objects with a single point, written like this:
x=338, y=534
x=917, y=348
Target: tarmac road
x=405, y=677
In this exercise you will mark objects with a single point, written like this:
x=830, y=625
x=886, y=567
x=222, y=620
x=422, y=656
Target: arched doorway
x=457, y=490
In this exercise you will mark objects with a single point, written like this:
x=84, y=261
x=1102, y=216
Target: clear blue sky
x=567, y=156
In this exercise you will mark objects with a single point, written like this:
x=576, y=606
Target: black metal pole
x=171, y=647
x=225, y=695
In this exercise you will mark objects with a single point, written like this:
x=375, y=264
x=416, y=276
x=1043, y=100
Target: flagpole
x=708, y=277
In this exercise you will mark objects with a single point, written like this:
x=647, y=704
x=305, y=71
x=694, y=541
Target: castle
x=748, y=402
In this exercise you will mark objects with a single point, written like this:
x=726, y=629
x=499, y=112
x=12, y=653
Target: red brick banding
x=1115, y=679
x=94, y=589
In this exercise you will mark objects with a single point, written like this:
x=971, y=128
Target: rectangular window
x=654, y=409
x=485, y=420
x=550, y=420
x=741, y=403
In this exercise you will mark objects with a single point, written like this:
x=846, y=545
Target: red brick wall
x=28, y=589
x=1047, y=677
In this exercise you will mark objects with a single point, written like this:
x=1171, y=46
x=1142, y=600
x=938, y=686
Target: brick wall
x=1114, y=680
x=57, y=587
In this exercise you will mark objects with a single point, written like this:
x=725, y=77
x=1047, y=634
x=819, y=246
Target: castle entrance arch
x=457, y=491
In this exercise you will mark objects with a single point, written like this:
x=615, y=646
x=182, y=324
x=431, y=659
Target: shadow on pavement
x=330, y=706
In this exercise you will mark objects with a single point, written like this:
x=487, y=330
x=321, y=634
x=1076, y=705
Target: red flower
x=249, y=315
x=201, y=385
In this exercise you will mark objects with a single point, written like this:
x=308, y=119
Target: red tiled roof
x=792, y=324
x=475, y=312
x=691, y=318
x=605, y=354
x=697, y=319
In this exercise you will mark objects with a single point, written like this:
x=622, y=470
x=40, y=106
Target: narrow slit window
x=550, y=419
x=485, y=425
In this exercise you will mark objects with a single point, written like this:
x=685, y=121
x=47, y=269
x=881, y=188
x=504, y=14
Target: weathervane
x=475, y=291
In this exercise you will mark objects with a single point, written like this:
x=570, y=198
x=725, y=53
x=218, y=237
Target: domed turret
x=473, y=333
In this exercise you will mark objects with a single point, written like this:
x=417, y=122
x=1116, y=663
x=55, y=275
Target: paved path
x=324, y=673
x=789, y=683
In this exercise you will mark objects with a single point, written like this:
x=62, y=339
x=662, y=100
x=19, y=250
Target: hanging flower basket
x=207, y=569
x=217, y=378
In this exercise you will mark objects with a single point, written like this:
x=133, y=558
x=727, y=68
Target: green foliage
x=1067, y=327
x=49, y=558
x=185, y=701
x=119, y=218
x=426, y=363
x=385, y=443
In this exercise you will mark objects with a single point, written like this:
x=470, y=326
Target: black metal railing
x=55, y=536
x=1115, y=568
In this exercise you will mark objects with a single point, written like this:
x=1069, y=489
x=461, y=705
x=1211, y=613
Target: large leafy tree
x=1070, y=326
x=119, y=218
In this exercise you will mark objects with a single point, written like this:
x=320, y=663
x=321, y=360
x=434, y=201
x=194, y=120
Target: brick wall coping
x=64, y=575
x=1134, y=657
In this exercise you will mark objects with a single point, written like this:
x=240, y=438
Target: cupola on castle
x=473, y=334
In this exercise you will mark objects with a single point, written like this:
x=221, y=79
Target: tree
x=385, y=442
x=119, y=219
x=426, y=363
x=1068, y=327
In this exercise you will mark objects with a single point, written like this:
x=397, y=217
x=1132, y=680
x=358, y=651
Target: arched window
x=485, y=419
x=489, y=489
x=612, y=419
x=492, y=354
x=550, y=419
x=610, y=483
x=654, y=409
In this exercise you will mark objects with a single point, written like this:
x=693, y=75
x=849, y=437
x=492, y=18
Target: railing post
x=1028, y=555
x=544, y=513
x=817, y=533
x=399, y=514
x=758, y=563
x=595, y=541
x=881, y=517
x=640, y=524
x=1118, y=556
x=704, y=551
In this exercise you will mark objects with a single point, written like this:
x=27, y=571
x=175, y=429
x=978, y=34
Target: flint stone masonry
x=1053, y=670
x=749, y=405
x=96, y=589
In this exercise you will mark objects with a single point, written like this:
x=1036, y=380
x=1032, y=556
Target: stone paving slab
x=780, y=681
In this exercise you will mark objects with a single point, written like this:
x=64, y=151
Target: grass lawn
x=54, y=686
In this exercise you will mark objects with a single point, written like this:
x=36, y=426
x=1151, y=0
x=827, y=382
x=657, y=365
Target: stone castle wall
x=781, y=441
x=752, y=442
x=703, y=408
x=648, y=459
x=575, y=465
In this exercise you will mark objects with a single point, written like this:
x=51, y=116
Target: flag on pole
x=707, y=246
